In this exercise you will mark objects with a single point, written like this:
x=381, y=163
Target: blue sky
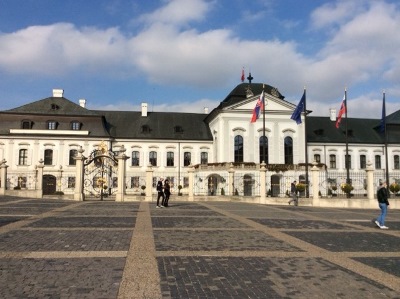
x=184, y=55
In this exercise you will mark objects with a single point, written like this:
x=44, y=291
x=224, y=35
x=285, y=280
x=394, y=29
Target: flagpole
x=263, y=99
x=386, y=140
x=305, y=141
x=347, y=141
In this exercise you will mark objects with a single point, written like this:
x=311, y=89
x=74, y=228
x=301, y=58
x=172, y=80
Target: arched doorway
x=49, y=184
x=248, y=185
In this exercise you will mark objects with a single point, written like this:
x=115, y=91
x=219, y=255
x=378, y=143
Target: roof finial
x=250, y=78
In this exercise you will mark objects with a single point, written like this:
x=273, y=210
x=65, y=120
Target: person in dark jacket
x=167, y=192
x=160, y=193
x=383, y=202
x=293, y=193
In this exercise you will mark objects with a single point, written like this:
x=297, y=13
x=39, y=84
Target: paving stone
x=64, y=222
x=193, y=222
x=389, y=265
x=301, y=224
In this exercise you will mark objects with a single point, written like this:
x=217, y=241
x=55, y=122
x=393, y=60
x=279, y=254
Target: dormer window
x=55, y=107
x=178, y=129
x=76, y=125
x=26, y=124
x=319, y=132
x=145, y=129
x=51, y=125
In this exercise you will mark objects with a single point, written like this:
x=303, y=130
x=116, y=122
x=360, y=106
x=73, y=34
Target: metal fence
x=22, y=180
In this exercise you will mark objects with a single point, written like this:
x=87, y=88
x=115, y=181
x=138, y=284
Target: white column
x=78, y=195
x=231, y=185
x=3, y=177
x=149, y=183
x=263, y=180
x=191, y=183
x=39, y=189
x=370, y=184
x=315, y=184
x=121, y=174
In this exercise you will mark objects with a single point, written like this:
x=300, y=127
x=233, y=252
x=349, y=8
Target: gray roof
x=53, y=106
x=161, y=125
x=323, y=130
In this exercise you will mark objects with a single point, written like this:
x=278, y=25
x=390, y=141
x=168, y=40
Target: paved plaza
x=101, y=249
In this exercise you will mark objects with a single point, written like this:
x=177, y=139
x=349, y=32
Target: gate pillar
x=149, y=183
x=3, y=177
x=315, y=184
x=191, y=182
x=370, y=184
x=78, y=194
x=231, y=185
x=263, y=182
x=39, y=187
x=121, y=174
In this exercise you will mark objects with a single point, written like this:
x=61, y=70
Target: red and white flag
x=342, y=111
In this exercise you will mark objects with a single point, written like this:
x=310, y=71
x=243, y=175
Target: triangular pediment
x=272, y=103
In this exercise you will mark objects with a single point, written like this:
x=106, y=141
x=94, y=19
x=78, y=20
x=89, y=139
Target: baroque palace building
x=53, y=130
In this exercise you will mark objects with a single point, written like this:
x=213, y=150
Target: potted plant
x=222, y=191
x=347, y=188
x=394, y=187
x=269, y=193
x=143, y=187
x=179, y=188
x=300, y=187
x=329, y=192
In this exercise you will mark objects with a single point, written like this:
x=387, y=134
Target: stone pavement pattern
x=63, y=249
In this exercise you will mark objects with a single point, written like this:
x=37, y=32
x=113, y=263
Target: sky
x=184, y=55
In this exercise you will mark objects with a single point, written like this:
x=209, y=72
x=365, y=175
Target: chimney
x=205, y=110
x=82, y=103
x=58, y=93
x=144, y=109
x=332, y=112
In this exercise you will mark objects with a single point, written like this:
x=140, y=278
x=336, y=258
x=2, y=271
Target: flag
x=258, y=108
x=296, y=116
x=383, y=119
x=242, y=77
x=342, y=111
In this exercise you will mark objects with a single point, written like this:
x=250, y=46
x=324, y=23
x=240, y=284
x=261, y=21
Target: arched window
x=187, y=157
x=72, y=154
x=288, y=150
x=170, y=158
x=263, y=143
x=238, y=148
x=153, y=158
x=135, y=158
x=48, y=157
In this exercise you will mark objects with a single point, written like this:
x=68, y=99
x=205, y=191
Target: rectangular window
x=170, y=159
x=72, y=153
x=23, y=157
x=332, y=161
x=71, y=182
x=22, y=181
x=135, y=158
x=76, y=126
x=378, y=162
x=363, y=161
x=204, y=158
x=153, y=158
x=185, y=182
x=48, y=157
x=134, y=182
x=51, y=125
x=396, y=162
x=317, y=158
x=187, y=158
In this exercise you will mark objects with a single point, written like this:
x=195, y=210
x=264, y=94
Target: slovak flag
x=341, y=112
x=258, y=108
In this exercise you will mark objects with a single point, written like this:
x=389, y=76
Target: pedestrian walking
x=167, y=192
x=383, y=201
x=293, y=193
x=160, y=193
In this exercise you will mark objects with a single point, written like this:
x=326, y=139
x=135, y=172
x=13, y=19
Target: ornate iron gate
x=100, y=174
